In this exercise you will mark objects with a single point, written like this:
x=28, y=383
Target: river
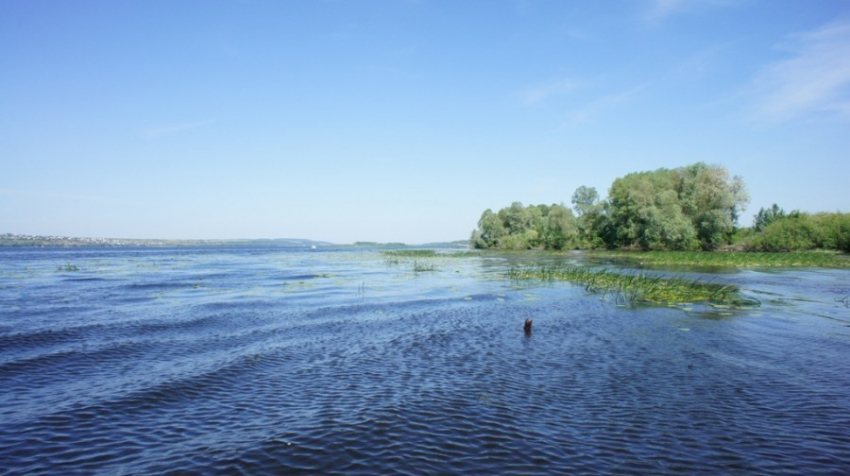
x=340, y=360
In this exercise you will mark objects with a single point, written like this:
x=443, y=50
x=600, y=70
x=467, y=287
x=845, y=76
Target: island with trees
x=696, y=207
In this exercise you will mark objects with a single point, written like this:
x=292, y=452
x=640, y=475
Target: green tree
x=667, y=227
x=712, y=199
x=833, y=231
x=560, y=230
x=793, y=233
x=490, y=231
x=680, y=209
x=634, y=202
x=591, y=219
x=684, y=208
x=585, y=199
x=766, y=216
x=516, y=218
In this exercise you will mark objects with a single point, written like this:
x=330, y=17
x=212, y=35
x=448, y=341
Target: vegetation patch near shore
x=732, y=259
x=410, y=253
x=429, y=254
x=422, y=260
x=633, y=288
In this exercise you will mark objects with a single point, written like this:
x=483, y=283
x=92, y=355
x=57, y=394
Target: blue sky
x=403, y=120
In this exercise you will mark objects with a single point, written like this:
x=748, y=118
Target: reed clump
x=68, y=267
x=636, y=287
x=422, y=261
x=410, y=253
x=395, y=254
x=733, y=259
x=423, y=267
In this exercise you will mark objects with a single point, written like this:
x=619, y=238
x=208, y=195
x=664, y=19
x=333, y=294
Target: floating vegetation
x=410, y=253
x=733, y=259
x=420, y=260
x=633, y=288
x=420, y=267
x=394, y=254
x=416, y=266
x=68, y=267
x=462, y=254
x=392, y=261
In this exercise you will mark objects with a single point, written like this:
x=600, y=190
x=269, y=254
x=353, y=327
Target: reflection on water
x=288, y=361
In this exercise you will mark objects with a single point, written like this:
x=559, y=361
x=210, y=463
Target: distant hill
x=10, y=240
x=39, y=241
x=442, y=244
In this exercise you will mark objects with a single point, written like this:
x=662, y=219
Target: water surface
x=313, y=361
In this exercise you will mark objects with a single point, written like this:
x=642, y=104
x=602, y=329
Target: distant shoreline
x=10, y=240
x=40, y=241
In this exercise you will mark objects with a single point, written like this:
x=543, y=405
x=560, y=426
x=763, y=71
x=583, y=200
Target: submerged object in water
x=527, y=326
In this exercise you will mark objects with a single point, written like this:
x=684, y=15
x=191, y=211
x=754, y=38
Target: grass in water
x=410, y=253
x=733, y=259
x=420, y=267
x=421, y=260
x=631, y=288
x=429, y=254
x=68, y=267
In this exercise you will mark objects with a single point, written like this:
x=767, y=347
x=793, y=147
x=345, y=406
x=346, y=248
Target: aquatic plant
x=420, y=267
x=422, y=260
x=636, y=287
x=732, y=259
x=68, y=267
x=461, y=254
x=422, y=254
x=410, y=253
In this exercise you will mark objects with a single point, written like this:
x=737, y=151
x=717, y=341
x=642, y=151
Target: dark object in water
x=527, y=326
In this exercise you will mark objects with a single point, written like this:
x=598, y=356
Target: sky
x=403, y=120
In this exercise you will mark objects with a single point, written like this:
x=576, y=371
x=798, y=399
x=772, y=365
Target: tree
x=516, y=218
x=679, y=209
x=585, y=199
x=797, y=231
x=793, y=233
x=561, y=229
x=634, y=207
x=766, y=216
x=684, y=208
x=518, y=227
x=490, y=231
x=712, y=200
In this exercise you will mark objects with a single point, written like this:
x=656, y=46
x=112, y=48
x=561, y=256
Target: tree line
x=695, y=207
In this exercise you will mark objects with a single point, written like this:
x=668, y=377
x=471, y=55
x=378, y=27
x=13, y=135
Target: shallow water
x=314, y=361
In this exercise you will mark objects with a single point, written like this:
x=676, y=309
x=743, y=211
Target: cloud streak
x=542, y=92
x=592, y=111
x=661, y=9
x=161, y=131
x=816, y=79
x=52, y=195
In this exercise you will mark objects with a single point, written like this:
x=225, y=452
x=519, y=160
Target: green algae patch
x=636, y=287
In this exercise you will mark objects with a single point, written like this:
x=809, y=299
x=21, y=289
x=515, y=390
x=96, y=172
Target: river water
x=296, y=361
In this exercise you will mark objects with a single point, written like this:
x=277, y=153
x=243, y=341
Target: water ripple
x=407, y=376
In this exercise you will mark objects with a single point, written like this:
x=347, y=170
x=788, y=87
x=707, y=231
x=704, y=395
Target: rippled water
x=286, y=361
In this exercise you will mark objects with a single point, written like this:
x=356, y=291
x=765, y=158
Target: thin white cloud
x=160, y=131
x=816, y=79
x=541, y=92
x=52, y=195
x=228, y=49
x=591, y=112
x=661, y=9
